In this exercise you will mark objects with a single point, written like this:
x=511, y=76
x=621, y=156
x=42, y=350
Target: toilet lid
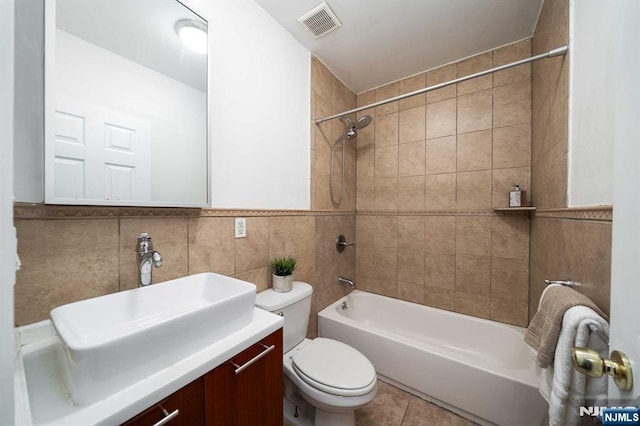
x=333, y=367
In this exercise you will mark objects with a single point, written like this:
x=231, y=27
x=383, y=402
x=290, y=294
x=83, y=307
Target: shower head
x=353, y=127
x=363, y=121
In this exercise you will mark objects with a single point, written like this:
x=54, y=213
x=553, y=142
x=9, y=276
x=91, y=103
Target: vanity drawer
x=185, y=407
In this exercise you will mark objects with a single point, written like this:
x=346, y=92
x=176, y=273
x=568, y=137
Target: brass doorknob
x=589, y=362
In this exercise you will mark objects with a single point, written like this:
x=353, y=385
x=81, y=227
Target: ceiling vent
x=320, y=20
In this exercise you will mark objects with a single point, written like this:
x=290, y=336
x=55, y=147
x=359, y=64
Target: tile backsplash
x=66, y=260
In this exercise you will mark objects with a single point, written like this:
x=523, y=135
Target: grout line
x=406, y=410
x=490, y=307
x=188, y=247
x=119, y=257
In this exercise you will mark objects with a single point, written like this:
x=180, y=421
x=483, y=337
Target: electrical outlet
x=241, y=227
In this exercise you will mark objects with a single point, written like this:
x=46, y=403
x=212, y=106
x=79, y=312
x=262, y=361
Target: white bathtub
x=472, y=366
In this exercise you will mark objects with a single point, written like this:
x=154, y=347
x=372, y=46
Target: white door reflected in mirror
x=101, y=153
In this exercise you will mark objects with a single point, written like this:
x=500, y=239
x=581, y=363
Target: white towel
x=544, y=375
x=569, y=388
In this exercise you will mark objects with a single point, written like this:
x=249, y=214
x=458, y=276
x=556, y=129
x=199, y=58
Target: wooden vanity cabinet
x=246, y=390
x=189, y=401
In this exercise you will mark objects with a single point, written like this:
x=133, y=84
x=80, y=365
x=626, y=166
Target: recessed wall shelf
x=513, y=209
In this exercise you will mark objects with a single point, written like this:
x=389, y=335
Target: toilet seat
x=335, y=368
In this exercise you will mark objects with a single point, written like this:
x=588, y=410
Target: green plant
x=283, y=266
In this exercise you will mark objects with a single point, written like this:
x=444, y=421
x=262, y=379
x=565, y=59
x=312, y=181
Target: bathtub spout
x=348, y=282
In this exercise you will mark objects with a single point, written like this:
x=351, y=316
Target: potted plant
x=282, y=269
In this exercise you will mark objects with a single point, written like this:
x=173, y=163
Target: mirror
x=126, y=104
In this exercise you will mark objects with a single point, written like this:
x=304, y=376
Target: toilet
x=331, y=376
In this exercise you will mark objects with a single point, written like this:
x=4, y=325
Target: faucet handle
x=341, y=243
x=157, y=259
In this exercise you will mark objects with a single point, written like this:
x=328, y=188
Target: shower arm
x=562, y=50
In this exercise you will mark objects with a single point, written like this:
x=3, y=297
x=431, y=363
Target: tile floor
x=395, y=407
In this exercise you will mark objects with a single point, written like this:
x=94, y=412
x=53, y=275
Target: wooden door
x=253, y=395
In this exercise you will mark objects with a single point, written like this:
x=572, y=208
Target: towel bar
x=600, y=334
x=566, y=283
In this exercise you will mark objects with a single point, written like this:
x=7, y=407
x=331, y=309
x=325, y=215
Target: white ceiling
x=141, y=30
x=385, y=40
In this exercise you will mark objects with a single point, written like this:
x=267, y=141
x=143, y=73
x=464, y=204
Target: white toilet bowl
x=331, y=376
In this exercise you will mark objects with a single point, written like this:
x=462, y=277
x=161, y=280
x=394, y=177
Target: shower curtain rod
x=550, y=54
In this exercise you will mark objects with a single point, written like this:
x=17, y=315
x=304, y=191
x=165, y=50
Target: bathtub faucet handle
x=341, y=243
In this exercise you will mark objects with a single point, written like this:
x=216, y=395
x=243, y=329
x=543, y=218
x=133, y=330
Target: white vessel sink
x=113, y=341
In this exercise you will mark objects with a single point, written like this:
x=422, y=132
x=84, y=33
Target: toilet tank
x=294, y=306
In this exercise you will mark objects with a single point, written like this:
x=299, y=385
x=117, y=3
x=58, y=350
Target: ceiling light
x=193, y=35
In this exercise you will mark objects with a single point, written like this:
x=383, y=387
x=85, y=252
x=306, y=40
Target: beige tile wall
x=330, y=96
x=429, y=171
x=579, y=250
x=62, y=262
x=549, y=106
x=66, y=260
x=561, y=248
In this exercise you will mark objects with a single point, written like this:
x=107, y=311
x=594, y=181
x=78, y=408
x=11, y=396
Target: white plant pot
x=282, y=283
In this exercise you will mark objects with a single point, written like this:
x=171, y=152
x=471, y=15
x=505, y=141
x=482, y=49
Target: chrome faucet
x=145, y=254
x=346, y=281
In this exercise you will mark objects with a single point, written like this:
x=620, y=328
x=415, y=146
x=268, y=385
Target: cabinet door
x=247, y=390
x=185, y=407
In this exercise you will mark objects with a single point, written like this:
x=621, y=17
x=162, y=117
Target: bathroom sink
x=113, y=341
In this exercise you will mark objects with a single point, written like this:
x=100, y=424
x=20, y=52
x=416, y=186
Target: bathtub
x=475, y=367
